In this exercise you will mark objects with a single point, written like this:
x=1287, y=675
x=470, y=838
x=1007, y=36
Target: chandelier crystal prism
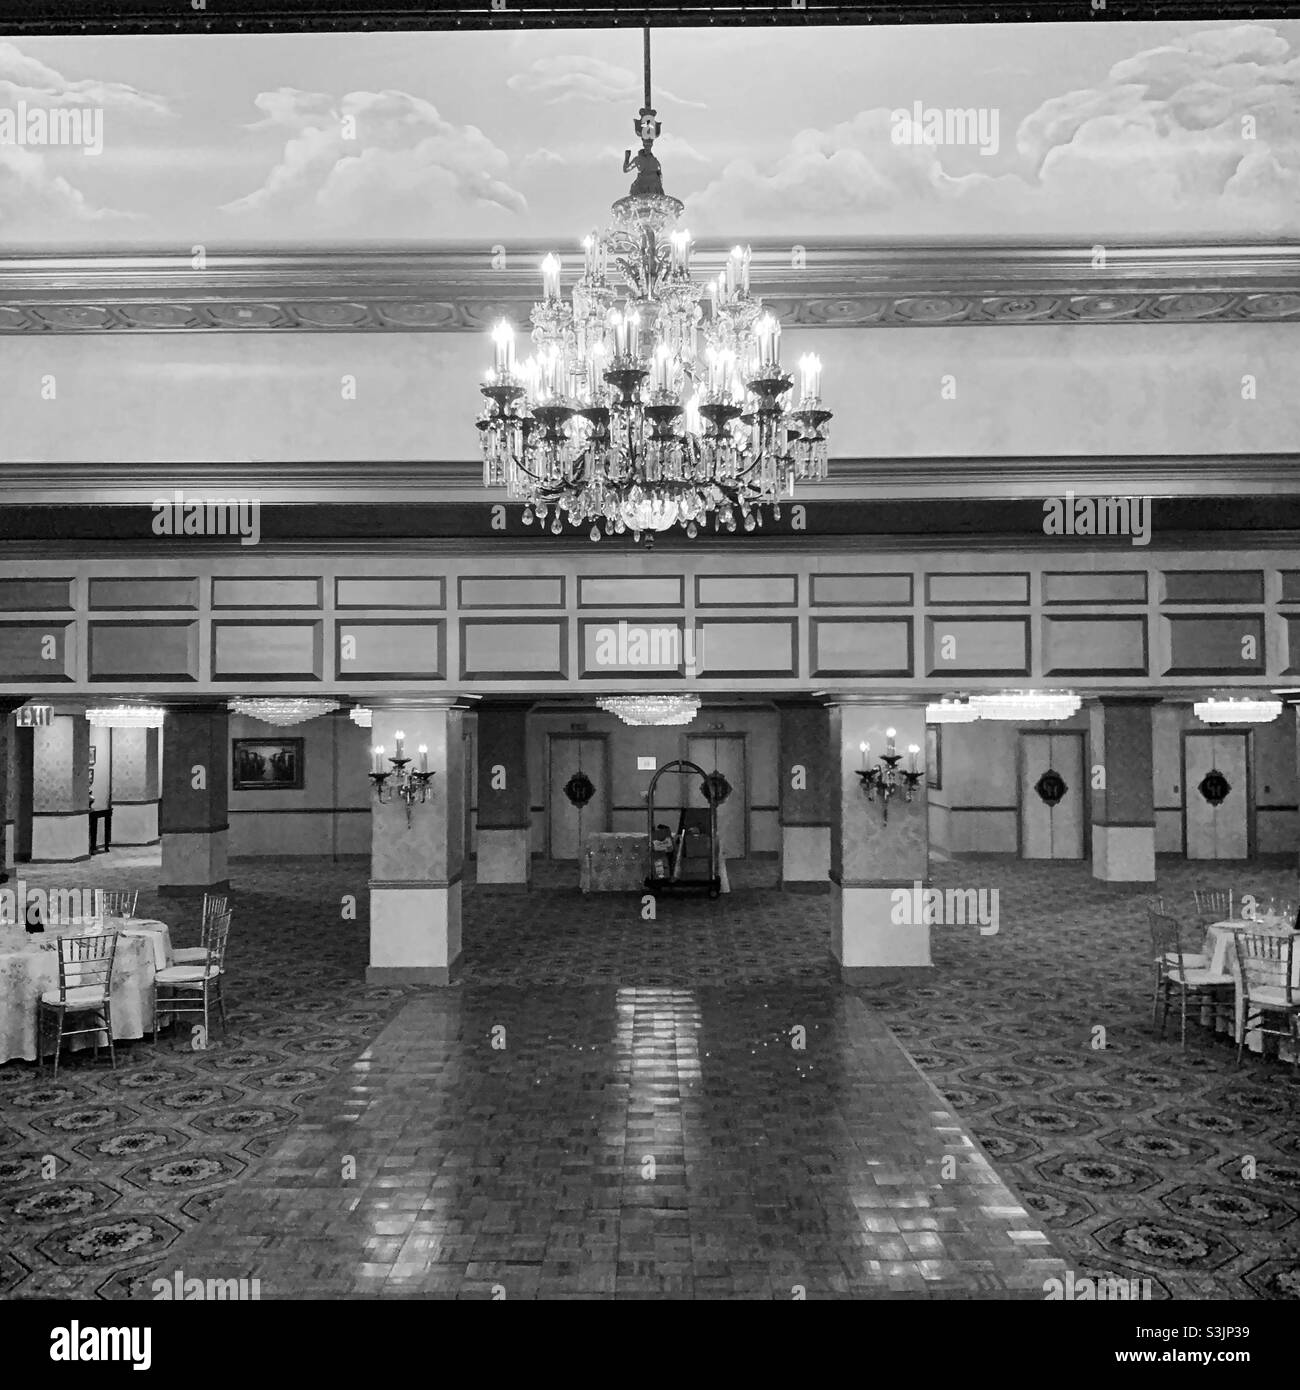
x=1247, y=710
x=649, y=414
x=283, y=712
x=1026, y=704
x=641, y=710
x=126, y=717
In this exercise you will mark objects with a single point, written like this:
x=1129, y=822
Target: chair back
x=1166, y=939
x=216, y=930
x=1213, y=904
x=1266, y=960
x=119, y=902
x=214, y=904
x=86, y=961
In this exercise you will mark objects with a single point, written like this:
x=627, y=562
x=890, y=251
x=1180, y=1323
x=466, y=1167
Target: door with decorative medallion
x=1216, y=795
x=1053, y=795
x=577, y=792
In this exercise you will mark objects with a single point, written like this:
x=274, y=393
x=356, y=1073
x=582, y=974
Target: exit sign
x=645, y=764
x=32, y=716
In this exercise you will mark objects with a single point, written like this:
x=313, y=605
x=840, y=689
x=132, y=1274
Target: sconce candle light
x=882, y=781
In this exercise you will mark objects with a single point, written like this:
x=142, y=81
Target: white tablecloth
x=29, y=966
x=1221, y=957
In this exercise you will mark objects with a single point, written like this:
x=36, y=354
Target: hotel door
x=1216, y=808
x=1053, y=793
x=567, y=824
x=724, y=753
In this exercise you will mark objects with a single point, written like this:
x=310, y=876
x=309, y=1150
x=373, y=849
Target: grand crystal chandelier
x=646, y=710
x=650, y=414
x=284, y=712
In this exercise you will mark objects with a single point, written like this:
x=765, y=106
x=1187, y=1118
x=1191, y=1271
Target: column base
x=504, y=863
x=1124, y=853
x=805, y=858
x=60, y=838
x=194, y=860
x=866, y=935
x=414, y=932
x=884, y=974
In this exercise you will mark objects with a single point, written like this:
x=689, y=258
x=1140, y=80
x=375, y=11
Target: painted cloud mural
x=1172, y=131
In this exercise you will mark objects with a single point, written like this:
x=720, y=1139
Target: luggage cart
x=687, y=862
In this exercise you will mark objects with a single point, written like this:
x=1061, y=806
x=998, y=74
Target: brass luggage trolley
x=685, y=861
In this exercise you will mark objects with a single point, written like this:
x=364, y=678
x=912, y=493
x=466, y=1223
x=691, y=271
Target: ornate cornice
x=816, y=284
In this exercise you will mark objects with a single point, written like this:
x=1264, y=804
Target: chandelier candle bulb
x=890, y=735
x=730, y=271
x=912, y=750
x=503, y=336
x=550, y=278
x=810, y=372
x=634, y=335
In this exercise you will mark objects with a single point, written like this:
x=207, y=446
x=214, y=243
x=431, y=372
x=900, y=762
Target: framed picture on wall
x=93, y=751
x=934, y=757
x=266, y=764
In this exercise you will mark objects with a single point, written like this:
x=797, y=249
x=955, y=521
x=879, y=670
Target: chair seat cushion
x=84, y=997
x=186, y=974
x=1271, y=997
x=1197, y=978
x=189, y=955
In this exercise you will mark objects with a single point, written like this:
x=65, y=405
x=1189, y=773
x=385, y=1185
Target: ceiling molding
x=399, y=482
x=819, y=284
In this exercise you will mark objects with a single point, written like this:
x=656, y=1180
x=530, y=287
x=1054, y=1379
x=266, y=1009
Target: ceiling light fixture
x=1244, y=711
x=951, y=712
x=652, y=709
x=127, y=717
x=281, y=711
x=655, y=414
x=1026, y=704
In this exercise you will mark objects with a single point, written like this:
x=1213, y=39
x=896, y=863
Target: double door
x=1053, y=792
x=1216, y=795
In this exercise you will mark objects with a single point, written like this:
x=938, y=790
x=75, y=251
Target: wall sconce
x=884, y=779
x=410, y=785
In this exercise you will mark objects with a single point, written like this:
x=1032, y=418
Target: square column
x=504, y=860
x=417, y=852
x=135, y=791
x=61, y=790
x=1123, y=806
x=192, y=817
x=809, y=784
x=8, y=782
x=875, y=931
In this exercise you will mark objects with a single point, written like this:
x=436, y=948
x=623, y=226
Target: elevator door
x=1216, y=831
x=1051, y=819
x=567, y=824
x=724, y=753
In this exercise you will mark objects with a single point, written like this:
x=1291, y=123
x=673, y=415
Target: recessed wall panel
x=513, y=650
x=266, y=651
x=1085, y=645
x=514, y=591
x=400, y=649
x=283, y=592
x=38, y=651
x=144, y=593
x=977, y=646
x=1214, y=586
x=397, y=592
x=144, y=650
x=861, y=647
x=642, y=645
x=1206, y=644
x=745, y=590
x=1094, y=586
x=745, y=648
x=624, y=591
x=32, y=595
x=860, y=590
x=974, y=587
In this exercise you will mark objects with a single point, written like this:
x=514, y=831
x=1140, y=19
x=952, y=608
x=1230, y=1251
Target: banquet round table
x=1221, y=958
x=29, y=966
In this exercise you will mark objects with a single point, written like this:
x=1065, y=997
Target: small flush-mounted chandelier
x=1244, y=711
x=883, y=780
x=127, y=717
x=362, y=716
x=652, y=709
x=651, y=415
x=951, y=712
x=282, y=712
x=1026, y=704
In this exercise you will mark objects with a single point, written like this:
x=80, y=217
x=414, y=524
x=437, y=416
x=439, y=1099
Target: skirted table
x=1221, y=957
x=29, y=966
x=613, y=863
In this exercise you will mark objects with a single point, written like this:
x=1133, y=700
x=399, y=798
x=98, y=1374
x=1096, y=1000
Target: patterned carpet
x=1135, y=1156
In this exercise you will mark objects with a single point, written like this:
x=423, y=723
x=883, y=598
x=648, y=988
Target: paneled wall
x=328, y=815
x=541, y=619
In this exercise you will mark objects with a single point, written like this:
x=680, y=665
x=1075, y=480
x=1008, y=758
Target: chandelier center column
x=417, y=845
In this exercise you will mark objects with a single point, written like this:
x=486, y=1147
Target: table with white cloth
x=613, y=863
x=1221, y=958
x=29, y=967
